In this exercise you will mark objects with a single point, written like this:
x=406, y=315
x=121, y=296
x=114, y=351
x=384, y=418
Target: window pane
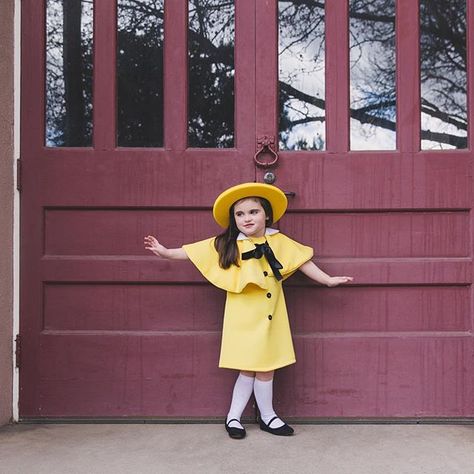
x=443, y=74
x=211, y=74
x=372, y=73
x=140, y=73
x=301, y=76
x=69, y=25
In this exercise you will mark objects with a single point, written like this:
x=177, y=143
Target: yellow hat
x=224, y=201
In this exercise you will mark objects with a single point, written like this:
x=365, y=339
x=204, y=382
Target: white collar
x=268, y=231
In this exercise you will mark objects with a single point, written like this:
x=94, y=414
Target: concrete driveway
x=206, y=448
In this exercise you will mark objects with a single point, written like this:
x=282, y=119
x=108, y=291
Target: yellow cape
x=204, y=256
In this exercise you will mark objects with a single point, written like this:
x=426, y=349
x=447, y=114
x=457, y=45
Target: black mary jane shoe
x=235, y=433
x=284, y=430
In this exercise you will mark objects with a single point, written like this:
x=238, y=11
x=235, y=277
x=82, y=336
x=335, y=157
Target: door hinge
x=18, y=351
x=18, y=175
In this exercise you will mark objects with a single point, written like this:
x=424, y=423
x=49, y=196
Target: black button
x=270, y=317
x=269, y=295
x=265, y=273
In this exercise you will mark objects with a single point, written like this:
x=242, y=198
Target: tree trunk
x=75, y=119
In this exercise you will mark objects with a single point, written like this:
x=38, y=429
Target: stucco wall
x=6, y=207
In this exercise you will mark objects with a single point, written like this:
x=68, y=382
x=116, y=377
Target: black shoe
x=284, y=430
x=235, y=433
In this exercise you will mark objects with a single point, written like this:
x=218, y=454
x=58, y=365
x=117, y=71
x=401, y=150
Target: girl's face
x=250, y=217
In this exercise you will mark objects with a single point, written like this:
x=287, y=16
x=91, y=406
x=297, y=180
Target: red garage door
x=137, y=113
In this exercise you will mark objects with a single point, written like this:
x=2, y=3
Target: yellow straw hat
x=224, y=201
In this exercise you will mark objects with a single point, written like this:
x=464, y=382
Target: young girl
x=249, y=260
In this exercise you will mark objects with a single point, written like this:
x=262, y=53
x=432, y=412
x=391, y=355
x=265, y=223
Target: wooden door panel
x=103, y=320
x=118, y=231
x=107, y=374
x=77, y=306
x=398, y=342
x=384, y=233
x=376, y=180
x=375, y=376
x=396, y=310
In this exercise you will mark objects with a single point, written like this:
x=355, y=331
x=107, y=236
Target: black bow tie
x=265, y=249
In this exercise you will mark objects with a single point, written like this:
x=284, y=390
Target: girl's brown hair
x=226, y=243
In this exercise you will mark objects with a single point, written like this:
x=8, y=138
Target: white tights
x=263, y=390
x=243, y=388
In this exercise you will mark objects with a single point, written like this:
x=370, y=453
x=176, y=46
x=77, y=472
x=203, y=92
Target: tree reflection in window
x=373, y=95
x=372, y=73
x=301, y=75
x=69, y=26
x=443, y=74
x=211, y=73
x=140, y=73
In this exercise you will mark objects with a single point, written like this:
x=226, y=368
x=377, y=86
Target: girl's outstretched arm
x=174, y=254
x=316, y=274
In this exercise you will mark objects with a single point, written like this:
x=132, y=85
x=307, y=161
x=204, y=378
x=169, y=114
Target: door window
x=301, y=76
x=443, y=74
x=372, y=75
x=140, y=36
x=69, y=37
x=211, y=42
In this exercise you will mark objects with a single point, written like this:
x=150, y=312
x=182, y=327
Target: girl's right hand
x=154, y=246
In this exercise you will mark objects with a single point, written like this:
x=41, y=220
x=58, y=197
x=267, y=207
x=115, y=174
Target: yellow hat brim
x=224, y=201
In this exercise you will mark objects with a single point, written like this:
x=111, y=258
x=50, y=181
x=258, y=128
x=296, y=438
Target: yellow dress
x=256, y=332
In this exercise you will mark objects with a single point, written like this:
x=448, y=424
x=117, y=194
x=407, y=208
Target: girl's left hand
x=337, y=280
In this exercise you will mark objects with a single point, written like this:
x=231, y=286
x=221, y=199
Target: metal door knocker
x=266, y=146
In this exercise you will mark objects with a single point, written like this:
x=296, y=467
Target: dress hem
x=266, y=369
